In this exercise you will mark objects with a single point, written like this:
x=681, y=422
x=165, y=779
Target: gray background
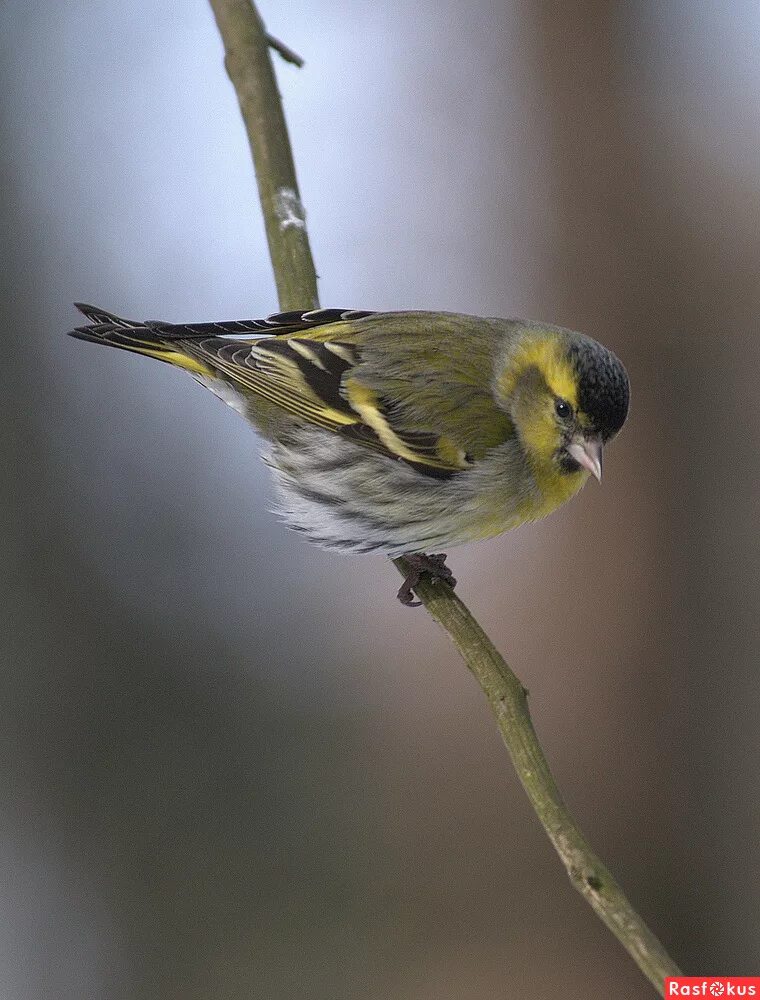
x=232, y=765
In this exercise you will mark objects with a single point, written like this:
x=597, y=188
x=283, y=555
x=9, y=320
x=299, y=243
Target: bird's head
x=567, y=396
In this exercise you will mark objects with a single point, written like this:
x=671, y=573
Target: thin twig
x=250, y=69
x=285, y=51
x=509, y=703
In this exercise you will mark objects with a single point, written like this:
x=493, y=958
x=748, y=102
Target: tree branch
x=509, y=703
x=246, y=46
x=250, y=69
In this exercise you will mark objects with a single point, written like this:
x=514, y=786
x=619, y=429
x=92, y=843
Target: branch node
x=284, y=51
x=594, y=883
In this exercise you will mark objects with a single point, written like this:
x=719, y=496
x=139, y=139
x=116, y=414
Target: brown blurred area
x=232, y=765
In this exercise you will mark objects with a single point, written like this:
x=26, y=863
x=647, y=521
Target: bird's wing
x=415, y=386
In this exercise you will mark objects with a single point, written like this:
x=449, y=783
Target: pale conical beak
x=588, y=454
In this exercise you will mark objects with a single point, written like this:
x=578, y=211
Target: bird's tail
x=155, y=340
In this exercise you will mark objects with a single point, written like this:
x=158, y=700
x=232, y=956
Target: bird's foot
x=420, y=563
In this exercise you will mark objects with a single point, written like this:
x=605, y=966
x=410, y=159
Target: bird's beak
x=587, y=452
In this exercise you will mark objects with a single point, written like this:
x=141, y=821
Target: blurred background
x=232, y=764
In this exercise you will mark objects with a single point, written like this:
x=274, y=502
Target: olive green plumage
x=402, y=432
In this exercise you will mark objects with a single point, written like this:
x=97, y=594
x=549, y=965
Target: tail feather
x=154, y=340
x=107, y=328
x=102, y=318
x=105, y=322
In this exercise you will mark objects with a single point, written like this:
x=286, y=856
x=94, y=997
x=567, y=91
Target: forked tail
x=155, y=340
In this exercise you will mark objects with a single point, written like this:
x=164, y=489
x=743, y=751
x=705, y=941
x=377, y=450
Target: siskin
x=403, y=432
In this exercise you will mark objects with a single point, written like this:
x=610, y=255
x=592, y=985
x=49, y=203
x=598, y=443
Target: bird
x=402, y=432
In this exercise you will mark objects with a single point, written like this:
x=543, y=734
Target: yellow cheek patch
x=543, y=352
x=540, y=436
x=536, y=372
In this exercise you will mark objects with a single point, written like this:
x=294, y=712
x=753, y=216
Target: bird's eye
x=563, y=409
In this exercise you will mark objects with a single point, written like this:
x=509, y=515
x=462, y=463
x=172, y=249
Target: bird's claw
x=435, y=567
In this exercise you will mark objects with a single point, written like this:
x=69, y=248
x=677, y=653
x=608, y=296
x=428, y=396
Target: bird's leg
x=436, y=568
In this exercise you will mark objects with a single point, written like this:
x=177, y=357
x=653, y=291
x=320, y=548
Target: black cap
x=603, y=391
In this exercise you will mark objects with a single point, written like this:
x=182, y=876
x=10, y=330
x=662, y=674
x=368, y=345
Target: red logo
x=712, y=986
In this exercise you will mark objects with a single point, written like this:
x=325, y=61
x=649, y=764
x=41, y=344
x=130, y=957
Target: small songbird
x=402, y=432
